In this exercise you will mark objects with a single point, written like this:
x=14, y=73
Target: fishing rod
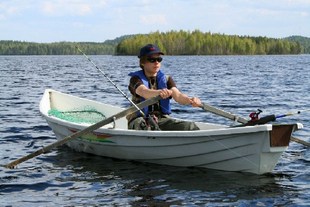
x=291, y=113
x=153, y=123
x=245, y=122
x=273, y=117
x=255, y=120
x=254, y=116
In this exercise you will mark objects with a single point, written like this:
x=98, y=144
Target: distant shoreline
x=172, y=43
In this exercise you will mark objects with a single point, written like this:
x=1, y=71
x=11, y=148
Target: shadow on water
x=157, y=185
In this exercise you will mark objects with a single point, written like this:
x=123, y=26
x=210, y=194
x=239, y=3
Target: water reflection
x=150, y=185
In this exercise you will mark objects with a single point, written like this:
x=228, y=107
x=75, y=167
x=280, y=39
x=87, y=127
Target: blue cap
x=148, y=50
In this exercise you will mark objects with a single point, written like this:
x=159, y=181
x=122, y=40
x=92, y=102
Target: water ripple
x=238, y=84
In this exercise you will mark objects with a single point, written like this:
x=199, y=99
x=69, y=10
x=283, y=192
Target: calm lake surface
x=238, y=84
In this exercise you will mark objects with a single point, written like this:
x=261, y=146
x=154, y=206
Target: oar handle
x=223, y=113
x=91, y=128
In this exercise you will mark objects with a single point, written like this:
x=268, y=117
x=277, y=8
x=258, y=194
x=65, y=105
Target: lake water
x=238, y=84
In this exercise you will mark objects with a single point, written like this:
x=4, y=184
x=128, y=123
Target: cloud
x=150, y=19
x=6, y=10
x=63, y=8
x=96, y=20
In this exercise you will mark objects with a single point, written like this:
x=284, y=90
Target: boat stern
x=279, y=138
x=280, y=135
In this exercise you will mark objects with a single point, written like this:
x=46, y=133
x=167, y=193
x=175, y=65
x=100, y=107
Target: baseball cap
x=149, y=49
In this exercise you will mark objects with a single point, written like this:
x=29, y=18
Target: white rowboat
x=254, y=149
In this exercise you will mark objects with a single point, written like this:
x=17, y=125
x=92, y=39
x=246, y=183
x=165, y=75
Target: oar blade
x=93, y=127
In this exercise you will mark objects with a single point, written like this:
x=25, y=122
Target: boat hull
x=243, y=149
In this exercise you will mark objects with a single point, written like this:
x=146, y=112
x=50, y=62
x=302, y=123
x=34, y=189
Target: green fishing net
x=86, y=115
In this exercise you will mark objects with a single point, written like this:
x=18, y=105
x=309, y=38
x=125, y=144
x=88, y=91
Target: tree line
x=200, y=43
x=171, y=43
x=304, y=41
x=58, y=48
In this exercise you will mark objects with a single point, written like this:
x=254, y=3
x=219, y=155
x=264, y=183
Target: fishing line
x=149, y=117
x=128, y=99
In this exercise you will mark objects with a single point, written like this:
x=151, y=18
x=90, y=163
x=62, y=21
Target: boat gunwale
x=226, y=130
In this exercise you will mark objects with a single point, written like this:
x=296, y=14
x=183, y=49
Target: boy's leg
x=138, y=124
x=170, y=124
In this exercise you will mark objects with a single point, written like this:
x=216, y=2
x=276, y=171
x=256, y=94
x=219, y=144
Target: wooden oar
x=239, y=119
x=300, y=141
x=91, y=128
x=223, y=113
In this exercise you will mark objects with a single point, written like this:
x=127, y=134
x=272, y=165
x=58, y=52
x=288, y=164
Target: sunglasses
x=153, y=60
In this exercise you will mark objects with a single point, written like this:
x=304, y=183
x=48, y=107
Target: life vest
x=161, y=84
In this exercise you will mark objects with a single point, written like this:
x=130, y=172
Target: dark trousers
x=165, y=123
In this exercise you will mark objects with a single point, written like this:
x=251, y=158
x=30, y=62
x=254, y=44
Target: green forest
x=171, y=43
x=199, y=43
x=58, y=48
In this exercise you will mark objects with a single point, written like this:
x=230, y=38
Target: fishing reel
x=255, y=115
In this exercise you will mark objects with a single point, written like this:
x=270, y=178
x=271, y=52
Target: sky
x=48, y=21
